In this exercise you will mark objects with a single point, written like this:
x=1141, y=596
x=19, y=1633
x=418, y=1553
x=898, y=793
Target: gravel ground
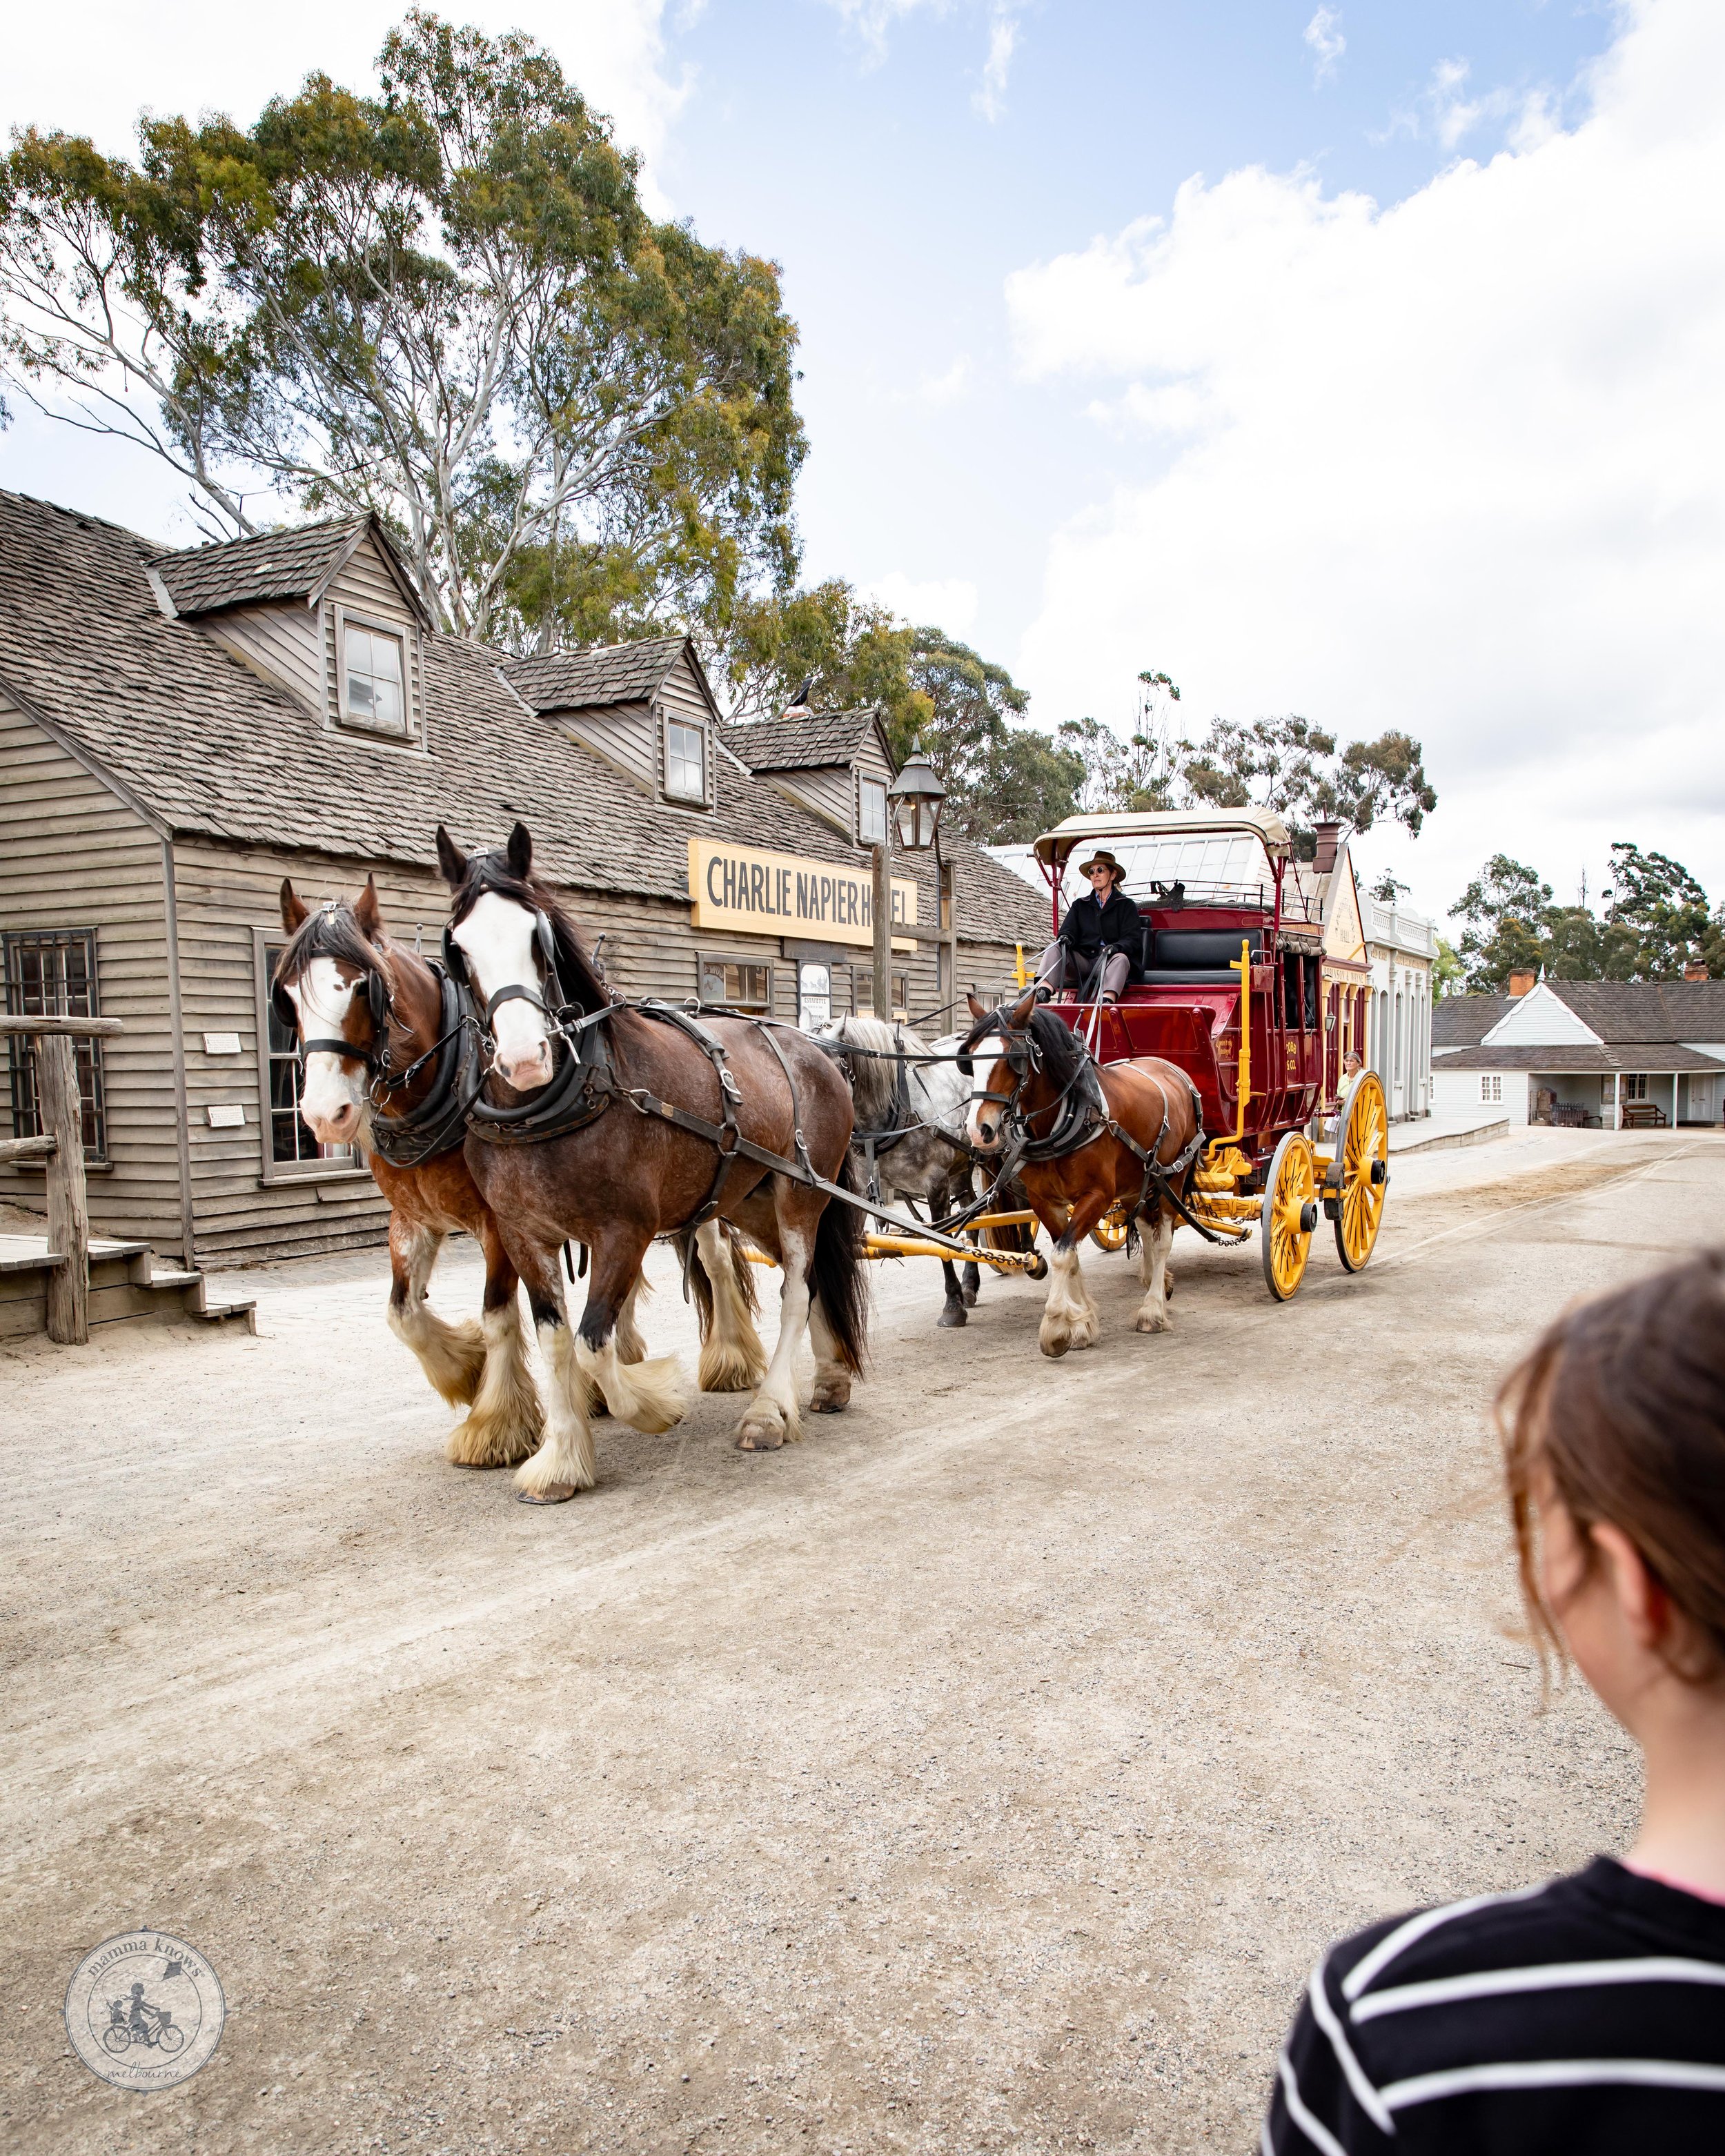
x=983, y=1774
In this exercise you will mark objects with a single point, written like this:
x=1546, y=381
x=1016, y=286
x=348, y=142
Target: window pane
x=51, y=972
x=871, y=828
x=372, y=665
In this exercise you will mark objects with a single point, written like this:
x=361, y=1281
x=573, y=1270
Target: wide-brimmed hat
x=1102, y=859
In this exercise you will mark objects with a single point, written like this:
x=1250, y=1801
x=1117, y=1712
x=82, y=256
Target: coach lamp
x=915, y=796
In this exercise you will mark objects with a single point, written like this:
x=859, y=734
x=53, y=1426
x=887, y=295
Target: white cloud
x=990, y=96
x=1457, y=466
x=1323, y=34
x=947, y=388
x=949, y=605
x=128, y=58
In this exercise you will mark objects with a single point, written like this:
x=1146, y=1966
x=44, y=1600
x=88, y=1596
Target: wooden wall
x=74, y=855
x=624, y=736
x=283, y=642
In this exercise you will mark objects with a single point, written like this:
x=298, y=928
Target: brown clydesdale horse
x=1042, y=1067
x=366, y=1008
x=628, y=1174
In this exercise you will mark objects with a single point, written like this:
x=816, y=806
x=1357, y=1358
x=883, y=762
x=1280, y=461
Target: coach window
x=872, y=811
x=51, y=972
x=373, y=679
x=685, y=762
x=289, y=1149
x=736, y=986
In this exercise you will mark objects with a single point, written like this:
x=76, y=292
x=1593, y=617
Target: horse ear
x=520, y=853
x=367, y=912
x=293, y=908
x=450, y=858
x=1021, y=1010
x=977, y=1011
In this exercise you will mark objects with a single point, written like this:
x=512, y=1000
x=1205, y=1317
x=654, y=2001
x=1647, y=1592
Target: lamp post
x=913, y=803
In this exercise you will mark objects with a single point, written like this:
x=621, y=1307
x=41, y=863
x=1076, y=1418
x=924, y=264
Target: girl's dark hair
x=1622, y=1403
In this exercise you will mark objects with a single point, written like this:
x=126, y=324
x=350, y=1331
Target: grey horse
x=909, y=1140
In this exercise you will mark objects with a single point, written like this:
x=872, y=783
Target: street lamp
x=915, y=796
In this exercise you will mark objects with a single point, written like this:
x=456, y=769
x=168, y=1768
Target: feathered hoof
x=1153, y=1321
x=955, y=1313
x=1053, y=1340
x=763, y=1428
x=831, y=1395
x=478, y=1443
x=729, y=1369
x=553, y=1493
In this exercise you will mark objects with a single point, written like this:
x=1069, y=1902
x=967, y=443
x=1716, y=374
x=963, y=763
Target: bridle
x=379, y=1005
x=1076, y=1108
x=555, y=1013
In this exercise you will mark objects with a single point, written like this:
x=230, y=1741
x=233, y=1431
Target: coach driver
x=1105, y=919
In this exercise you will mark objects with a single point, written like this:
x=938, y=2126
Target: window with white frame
x=290, y=1147
x=373, y=679
x=51, y=972
x=684, y=761
x=1634, y=1086
x=1491, y=1084
x=872, y=811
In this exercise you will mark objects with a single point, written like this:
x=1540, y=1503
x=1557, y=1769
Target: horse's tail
x=838, y=1273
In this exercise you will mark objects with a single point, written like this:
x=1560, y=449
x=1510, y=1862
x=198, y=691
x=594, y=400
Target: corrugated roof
x=612, y=674
x=1464, y=1021
x=812, y=741
x=1657, y=1057
x=205, y=746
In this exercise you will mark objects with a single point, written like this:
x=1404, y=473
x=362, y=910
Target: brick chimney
x=1329, y=838
x=1522, y=980
x=1695, y=969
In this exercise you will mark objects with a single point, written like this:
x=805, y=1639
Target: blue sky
x=1360, y=360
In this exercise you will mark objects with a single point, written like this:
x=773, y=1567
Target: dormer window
x=685, y=762
x=871, y=812
x=373, y=692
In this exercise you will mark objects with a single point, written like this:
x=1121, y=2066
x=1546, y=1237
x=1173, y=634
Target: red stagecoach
x=1229, y=982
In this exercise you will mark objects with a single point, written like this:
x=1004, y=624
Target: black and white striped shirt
x=1585, y=2016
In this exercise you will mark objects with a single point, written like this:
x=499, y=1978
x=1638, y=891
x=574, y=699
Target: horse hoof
x=830, y=1399
x=1054, y=1345
x=954, y=1314
x=970, y=1295
x=758, y=1438
x=1152, y=1325
x=553, y=1493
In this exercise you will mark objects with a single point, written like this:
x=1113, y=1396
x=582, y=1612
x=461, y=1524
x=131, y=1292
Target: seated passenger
x=1588, y=2015
x=1105, y=919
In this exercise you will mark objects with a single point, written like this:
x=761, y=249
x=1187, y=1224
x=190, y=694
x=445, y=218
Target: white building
x=1599, y=1054
x=1400, y=947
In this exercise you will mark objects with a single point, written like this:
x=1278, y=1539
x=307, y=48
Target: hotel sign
x=743, y=889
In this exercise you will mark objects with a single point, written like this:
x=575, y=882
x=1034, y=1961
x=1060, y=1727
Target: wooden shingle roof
x=813, y=740
x=200, y=744
x=614, y=673
x=1654, y=1056
x=1464, y=1021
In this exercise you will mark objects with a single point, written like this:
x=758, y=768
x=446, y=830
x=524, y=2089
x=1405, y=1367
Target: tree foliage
x=445, y=303
x=1654, y=920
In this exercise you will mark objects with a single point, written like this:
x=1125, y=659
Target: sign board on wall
x=748, y=891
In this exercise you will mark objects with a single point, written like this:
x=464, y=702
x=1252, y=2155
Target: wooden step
x=125, y=1288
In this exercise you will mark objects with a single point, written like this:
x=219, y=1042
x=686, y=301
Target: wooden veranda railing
x=61, y=1145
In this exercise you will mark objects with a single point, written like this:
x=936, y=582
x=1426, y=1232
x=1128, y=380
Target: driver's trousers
x=1060, y=967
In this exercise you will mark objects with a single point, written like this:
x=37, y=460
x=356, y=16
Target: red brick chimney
x=1329, y=838
x=1522, y=980
x=1695, y=969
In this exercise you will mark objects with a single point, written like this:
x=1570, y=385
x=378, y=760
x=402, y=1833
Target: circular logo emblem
x=144, y=2010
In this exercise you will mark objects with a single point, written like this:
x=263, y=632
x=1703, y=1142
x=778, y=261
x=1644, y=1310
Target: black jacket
x=1088, y=926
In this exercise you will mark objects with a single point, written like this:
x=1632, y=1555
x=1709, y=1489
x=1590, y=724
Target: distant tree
x=1506, y=908
x=1293, y=767
x=1446, y=970
x=1659, y=912
x=445, y=303
x=1027, y=783
x=1387, y=891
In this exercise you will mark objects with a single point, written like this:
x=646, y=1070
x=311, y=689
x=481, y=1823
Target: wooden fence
x=61, y=1145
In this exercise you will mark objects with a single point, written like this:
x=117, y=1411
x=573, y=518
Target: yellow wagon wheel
x=1288, y=1215
x=1362, y=1169
x=1109, y=1233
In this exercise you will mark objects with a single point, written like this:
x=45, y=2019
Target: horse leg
x=973, y=1282
x=452, y=1357
x=565, y=1462
x=648, y=1395
x=1069, y=1317
x=832, y=1379
x=732, y=1357
x=955, y=1312
x=1155, y=1240
x=631, y=1348
x=506, y=1423
x=772, y=1416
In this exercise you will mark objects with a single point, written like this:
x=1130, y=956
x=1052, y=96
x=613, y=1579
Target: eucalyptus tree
x=445, y=302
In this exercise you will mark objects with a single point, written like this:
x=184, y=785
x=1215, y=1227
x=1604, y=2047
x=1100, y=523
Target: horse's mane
x=873, y=1080
x=331, y=930
x=490, y=872
x=1062, y=1054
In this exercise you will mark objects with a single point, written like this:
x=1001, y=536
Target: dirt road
x=983, y=1774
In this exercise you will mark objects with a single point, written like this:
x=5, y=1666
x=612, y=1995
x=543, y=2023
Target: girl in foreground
x=1590, y=2014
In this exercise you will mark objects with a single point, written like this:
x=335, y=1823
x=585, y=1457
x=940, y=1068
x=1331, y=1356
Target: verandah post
x=62, y=1114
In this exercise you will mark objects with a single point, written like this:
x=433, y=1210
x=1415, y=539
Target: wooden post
x=68, y=1204
x=883, y=937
